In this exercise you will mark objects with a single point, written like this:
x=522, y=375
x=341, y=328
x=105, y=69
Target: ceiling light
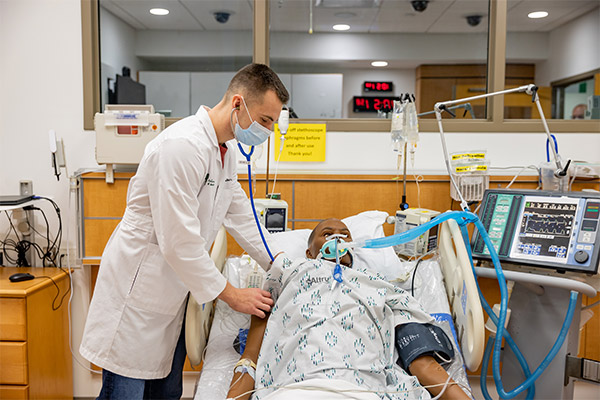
x=537, y=14
x=341, y=27
x=379, y=63
x=159, y=11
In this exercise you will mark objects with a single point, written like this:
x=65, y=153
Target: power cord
x=412, y=282
x=21, y=247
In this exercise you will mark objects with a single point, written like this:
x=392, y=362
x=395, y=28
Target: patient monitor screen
x=545, y=229
x=275, y=219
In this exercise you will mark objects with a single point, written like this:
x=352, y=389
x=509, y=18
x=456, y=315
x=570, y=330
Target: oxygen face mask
x=331, y=250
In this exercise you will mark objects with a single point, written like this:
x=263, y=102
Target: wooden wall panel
x=103, y=199
x=96, y=234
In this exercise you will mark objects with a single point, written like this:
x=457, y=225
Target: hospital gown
x=346, y=331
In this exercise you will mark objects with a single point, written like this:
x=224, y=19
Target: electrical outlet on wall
x=70, y=258
x=26, y=188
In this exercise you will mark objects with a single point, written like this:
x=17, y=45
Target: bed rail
x=462, y=293
x=199, y=316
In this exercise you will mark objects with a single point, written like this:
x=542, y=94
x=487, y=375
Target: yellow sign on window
x=303, y=143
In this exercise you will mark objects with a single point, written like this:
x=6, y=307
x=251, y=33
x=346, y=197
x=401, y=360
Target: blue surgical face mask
x=253, y=135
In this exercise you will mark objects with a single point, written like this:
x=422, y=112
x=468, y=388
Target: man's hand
x=251, y=301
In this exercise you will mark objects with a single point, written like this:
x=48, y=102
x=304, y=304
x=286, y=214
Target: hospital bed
x=444, y=285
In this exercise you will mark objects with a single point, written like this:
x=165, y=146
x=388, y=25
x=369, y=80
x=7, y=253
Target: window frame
x=494, y=123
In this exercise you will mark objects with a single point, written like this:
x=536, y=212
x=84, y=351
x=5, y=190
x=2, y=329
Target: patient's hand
x=251, y=301
x=240, y=384
x=429, y=372
x=244, y=383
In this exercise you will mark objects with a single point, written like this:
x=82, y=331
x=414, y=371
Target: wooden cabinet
x=34, y=336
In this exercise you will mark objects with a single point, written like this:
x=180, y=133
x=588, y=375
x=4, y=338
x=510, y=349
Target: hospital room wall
x=41, y=80
x=573, y=49
x=42, y=89
x=371, y=153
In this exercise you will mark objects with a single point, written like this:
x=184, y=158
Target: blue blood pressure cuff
x=414, y=340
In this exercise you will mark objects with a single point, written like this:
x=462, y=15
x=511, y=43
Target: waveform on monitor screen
x=547, y=224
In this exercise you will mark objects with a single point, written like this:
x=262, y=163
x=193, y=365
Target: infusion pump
x=411, y=218
x=272, y=213
x=123, y=131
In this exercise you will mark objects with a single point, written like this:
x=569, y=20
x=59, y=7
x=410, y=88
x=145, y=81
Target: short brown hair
x=257, y=79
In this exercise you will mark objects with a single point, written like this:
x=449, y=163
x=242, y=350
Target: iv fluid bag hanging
x=412, y=123
x=398, y=133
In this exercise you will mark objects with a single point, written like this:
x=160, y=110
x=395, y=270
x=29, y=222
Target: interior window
x=327, y=49
x=185, y=58
x=436, y=50
x=176, y=59
x=552, y=43
x=577, y=100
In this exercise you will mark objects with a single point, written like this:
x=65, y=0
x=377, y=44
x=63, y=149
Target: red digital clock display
x=372, y=104
x=378, y=86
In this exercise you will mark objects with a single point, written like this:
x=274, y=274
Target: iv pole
x=530, y=89
x=404, y=205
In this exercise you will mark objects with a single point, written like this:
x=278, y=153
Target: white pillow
x=366, y=225
x=292, y=243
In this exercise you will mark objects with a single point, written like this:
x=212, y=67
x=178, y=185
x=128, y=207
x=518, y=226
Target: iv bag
x=398, y=132
x=412, y=123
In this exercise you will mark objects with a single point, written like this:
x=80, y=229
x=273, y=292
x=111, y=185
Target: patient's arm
x=253, y=343
x=429, y=372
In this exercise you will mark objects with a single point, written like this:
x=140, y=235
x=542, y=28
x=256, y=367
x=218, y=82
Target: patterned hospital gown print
x=343, y=331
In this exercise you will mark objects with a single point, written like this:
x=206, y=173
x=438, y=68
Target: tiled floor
x=582, y=391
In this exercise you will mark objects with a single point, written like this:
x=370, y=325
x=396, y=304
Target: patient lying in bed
x=343, y=332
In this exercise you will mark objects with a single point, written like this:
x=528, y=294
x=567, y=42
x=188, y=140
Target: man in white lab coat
x=185, y=188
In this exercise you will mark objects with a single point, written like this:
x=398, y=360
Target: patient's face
x=321, y=234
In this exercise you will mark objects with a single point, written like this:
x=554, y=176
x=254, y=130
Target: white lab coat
x=176, y=202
